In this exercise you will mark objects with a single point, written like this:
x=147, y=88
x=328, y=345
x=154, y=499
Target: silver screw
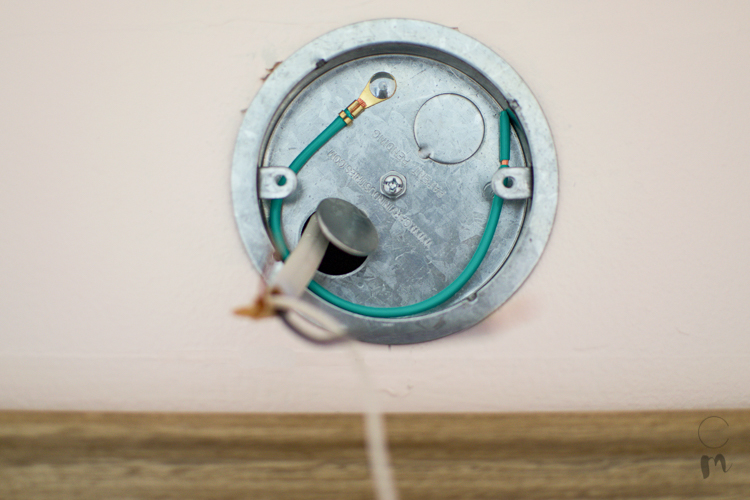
x=393, y=184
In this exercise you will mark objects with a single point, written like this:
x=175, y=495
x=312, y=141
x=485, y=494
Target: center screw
x=393, y=185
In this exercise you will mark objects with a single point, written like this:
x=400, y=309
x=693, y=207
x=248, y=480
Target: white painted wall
x=120, y=261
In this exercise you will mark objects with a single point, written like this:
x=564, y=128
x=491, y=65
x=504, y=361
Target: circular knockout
x=448, y=129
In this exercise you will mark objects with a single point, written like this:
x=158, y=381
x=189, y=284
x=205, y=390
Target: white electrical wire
x=308, y=319
x=376, y=439
x=316, y=325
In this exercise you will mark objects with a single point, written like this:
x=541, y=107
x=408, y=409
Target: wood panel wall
x=656, y=455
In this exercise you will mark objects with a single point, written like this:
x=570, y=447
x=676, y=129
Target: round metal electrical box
x=419, y=165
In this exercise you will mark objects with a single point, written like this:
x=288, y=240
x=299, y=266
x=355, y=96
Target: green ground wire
x=419, y=307
x=504, y=136
x=274, y=218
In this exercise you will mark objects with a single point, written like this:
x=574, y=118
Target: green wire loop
x=274, y=222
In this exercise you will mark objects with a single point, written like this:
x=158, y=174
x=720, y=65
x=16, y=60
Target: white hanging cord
x=318, y=326
x=310, y=321
x=300, y=316
x=376, y=439
x=282, y=297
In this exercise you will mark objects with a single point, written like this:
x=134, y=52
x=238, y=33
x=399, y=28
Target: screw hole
x=508, y=182
x=281, y=180
x=335, y=261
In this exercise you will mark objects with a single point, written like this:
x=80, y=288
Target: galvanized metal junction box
x=420, y=165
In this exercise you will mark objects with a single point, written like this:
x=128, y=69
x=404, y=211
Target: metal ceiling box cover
x=420, y=165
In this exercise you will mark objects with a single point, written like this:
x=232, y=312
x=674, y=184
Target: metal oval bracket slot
x=512, y=183
x=268, y=185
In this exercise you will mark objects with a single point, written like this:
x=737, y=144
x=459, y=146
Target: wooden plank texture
x=656, y=455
